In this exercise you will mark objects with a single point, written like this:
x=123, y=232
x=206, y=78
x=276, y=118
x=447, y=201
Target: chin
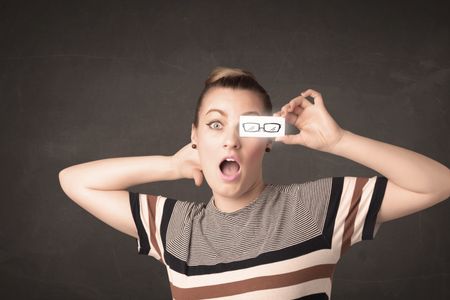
x=230, y=190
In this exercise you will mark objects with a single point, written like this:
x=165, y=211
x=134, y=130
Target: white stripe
x=160, y=200
x=289, y=292
x=363, y=209
x=324, y=256
x=143, y=209
x=343, y=210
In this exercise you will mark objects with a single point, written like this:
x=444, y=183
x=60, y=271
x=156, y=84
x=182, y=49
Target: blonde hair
x=220, y=72
x=233, y=78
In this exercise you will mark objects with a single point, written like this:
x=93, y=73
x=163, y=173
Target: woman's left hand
x=318, y=130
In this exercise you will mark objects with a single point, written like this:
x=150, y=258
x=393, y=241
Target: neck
x=229, y=205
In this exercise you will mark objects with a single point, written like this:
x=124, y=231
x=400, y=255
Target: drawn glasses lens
x=271, y=127
x=251, y=127
x=267, y=127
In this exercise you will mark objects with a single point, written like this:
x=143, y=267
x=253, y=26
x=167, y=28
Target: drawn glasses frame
x=256, y=127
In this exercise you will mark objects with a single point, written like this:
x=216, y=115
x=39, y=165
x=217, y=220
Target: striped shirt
x=283, y=245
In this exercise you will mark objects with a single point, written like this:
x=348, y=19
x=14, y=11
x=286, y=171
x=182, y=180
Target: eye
x=214, y=125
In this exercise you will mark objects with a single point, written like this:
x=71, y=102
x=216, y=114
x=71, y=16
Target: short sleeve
x=150, y=214
x=361, y=199
x=346, y=207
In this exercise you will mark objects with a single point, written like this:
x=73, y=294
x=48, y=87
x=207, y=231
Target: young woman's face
x=217, y=138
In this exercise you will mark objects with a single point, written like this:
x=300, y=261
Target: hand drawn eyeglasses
x=261, y=126
x=256, y=127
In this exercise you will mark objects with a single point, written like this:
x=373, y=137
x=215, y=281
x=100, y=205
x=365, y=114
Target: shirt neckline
x=212, y=207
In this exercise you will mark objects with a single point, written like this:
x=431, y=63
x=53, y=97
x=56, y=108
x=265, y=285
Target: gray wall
x=86, y=80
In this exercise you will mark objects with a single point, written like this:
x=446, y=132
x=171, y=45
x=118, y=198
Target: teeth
x=229, y=159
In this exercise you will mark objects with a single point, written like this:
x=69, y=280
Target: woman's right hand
x=186, y=163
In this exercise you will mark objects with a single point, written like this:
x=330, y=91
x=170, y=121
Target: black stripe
x=333, y=206
x=306, y=247
x=375, y=204
x=320, y=242
x=135, y=211
x=320, y=296
x=167, y=214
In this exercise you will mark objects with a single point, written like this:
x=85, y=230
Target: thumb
x=198, y=177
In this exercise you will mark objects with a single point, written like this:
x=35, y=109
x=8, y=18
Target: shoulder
x=313, y=186
x=183, y=210
x=309, y=197
x=164, y=208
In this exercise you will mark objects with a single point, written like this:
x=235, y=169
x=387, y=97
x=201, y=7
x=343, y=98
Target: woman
x=254, y=240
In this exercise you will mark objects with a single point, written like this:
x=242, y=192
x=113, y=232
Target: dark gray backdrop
x=81, y=81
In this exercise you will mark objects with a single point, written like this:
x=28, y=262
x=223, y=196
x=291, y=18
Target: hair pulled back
x=235, y=79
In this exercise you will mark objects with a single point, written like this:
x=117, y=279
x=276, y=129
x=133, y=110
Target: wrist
x=174, y=167
x=340, y=144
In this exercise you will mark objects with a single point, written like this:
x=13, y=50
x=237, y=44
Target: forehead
x=231, y=101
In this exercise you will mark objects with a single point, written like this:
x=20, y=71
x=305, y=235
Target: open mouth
x=229, y=168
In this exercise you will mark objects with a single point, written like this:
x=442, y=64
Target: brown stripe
x=151, y=203
x=349, y=227
x=254, y=284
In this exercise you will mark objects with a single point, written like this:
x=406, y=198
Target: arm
x=415, y=182
x=100, y=186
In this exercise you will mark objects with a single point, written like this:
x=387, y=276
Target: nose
x=232, y=139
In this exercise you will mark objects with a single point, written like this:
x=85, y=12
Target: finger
x=315, y=95
x=310, y=92
x=298, y=101
x=298, y=110
x=291, y=118
x=305, y=103
x=286, y=108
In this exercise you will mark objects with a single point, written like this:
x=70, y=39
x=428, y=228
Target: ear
x=193, y=134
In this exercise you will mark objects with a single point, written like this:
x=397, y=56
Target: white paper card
x=261, y=126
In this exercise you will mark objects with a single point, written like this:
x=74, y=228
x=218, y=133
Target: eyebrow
x=250, y=113
x=216, y=110
x=225, y=114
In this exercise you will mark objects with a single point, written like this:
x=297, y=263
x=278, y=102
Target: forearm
x=406, y=168
x=120, y=173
